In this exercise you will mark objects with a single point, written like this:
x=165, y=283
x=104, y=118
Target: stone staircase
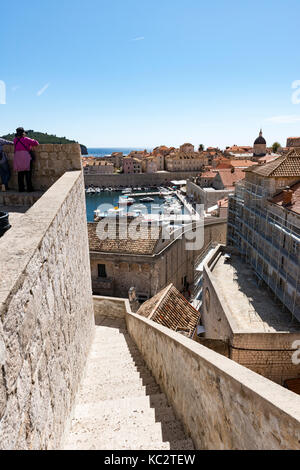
x=119, y=405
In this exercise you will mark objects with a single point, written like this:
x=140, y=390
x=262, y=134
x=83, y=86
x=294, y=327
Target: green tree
x=275, y=147
x=201, y=148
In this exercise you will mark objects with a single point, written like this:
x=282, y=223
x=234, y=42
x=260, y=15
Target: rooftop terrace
x=252, y=307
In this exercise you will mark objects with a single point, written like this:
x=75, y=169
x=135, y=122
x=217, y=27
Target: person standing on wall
x=23, y=159
x=4, y=166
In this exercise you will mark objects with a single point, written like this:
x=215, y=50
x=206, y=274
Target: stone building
x=99, y=167
x=252, y=291
x=212, y=185
x=149, y=165
x=148, y=264
x=260, y=146
x=264, y=224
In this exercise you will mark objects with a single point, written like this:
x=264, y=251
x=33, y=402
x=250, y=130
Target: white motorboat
x=147, y=199
x=90, y=191
x=125, y=200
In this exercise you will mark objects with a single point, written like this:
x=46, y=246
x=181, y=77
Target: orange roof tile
x=229, y=178
x=114, y=244
x=170, y=308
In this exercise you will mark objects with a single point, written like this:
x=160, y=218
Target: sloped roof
x=229, y=178
x=169, y=308
x=115, y=244
x=295, y=202
x=284, y=166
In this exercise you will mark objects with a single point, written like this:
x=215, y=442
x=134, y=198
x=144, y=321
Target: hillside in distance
x=44, y=138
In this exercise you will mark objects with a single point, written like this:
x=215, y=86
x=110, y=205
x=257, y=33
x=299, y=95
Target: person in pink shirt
x=23, y=159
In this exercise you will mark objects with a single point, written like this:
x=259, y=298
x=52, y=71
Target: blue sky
x=144, y=73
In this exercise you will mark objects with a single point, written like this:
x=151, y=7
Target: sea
x=105, y=151
x=93, y=201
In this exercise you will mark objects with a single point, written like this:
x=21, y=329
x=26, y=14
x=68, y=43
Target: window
x=102, y=270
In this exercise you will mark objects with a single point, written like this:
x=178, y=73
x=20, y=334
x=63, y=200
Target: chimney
x=287, y=196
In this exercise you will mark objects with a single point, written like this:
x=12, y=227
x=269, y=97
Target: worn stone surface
x=222, y=404
x=46, y=316
x=119, y=404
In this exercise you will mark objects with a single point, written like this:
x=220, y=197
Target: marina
x=152, y=204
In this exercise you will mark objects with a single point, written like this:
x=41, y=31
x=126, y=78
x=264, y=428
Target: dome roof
x=260, y=139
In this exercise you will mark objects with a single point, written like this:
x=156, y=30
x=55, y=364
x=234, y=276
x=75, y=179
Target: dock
x=169, y=193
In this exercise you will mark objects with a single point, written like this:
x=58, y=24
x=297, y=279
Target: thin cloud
x=42, y=90
x=290, y=119
x=15, y=88
x=140, y=38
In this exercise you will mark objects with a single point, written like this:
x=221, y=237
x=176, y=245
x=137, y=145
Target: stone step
x=107, y=331
x=101, y=392
x=113, y=350
x=171, y=429
x=122, y=377
x=114, y=366
x=125, y=410
x=90, y=436
x=102, y=373
x=114, y=363
x=158, y=401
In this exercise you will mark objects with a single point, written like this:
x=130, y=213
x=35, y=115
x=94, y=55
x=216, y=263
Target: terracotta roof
x=295, y=202
x=229, y=178
x=208, y=174
x=268, y=158
x=284, y=166
x=169, y=308
x=293, y=385
x=242, y=163
x=115, y=244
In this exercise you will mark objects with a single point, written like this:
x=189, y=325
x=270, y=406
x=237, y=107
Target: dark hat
x=20, y=131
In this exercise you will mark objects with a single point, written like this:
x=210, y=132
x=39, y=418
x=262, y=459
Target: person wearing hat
x=22, y=159
x=4, y=166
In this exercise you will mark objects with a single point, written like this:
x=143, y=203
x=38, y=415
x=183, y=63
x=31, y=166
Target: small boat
x=126, y=200
x=90, y=191
x=147, y=199
x=116, y=212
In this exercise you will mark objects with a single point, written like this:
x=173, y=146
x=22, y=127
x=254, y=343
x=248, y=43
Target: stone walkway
x=119, y=405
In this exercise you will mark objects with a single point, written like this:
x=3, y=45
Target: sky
x=126, y=73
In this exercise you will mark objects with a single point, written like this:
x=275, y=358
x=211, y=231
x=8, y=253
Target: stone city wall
x=222, y=404
x=208, y=198
x=51, y=162
x=138, y=179
x=46, y=316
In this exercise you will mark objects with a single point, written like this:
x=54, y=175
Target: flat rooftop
x=252, y=307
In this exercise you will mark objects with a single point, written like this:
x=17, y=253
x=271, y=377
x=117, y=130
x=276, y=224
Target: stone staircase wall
x=46, y=316
x=222, y=404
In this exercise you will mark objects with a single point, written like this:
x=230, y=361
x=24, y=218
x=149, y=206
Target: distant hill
x=44, y=138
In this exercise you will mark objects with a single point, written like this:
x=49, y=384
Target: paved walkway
x=119, y=405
